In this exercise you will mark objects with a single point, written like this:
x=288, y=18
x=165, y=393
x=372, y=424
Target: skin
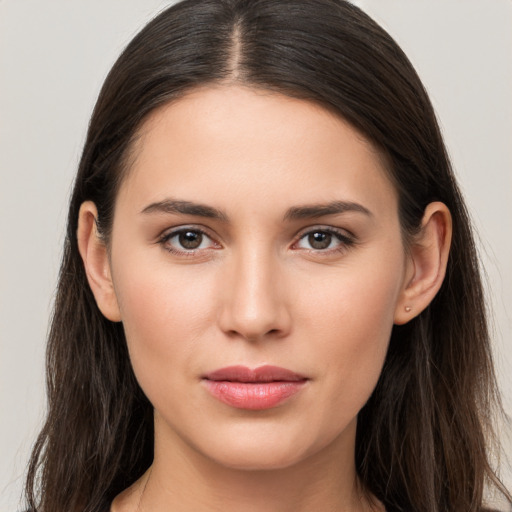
x=258, y=290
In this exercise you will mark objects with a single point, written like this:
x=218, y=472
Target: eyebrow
x=319, y=210
x=185, y=208
x=294, y=213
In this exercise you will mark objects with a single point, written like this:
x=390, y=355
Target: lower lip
x=253, y=395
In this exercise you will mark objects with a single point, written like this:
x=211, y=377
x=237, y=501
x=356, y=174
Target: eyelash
x=345, y=241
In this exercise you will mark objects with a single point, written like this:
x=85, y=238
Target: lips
x=265, y=373
x=262, y=388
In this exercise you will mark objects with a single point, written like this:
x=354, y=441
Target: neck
x=183, y=479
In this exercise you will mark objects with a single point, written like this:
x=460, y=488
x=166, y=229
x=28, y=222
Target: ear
x=427, y=260
x=96, y=262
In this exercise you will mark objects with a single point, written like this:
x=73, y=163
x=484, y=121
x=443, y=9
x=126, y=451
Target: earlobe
x=428, y=258
x=96, y=262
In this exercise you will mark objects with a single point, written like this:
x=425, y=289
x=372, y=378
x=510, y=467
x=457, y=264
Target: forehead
x=229, y=143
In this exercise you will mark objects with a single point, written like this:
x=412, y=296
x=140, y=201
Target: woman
x=269, y=298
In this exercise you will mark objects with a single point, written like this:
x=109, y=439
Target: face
x=254, y=229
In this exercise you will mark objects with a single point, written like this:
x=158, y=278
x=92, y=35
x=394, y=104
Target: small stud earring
x=408, y=309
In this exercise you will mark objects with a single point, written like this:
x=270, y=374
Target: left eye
x=321, y=240
x=188, y=240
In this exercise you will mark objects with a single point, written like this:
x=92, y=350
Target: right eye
x=187, y=241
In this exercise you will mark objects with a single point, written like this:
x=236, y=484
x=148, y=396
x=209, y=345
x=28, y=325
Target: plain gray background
x=54, y=55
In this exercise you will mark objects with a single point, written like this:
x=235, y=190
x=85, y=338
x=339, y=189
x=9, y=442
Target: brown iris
x=320, y=240
x=190, y=239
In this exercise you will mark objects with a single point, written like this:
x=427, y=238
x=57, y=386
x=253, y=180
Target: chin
x=263, y=450
x=257, y=459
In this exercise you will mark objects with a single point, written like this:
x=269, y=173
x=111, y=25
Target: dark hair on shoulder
x=422, y=438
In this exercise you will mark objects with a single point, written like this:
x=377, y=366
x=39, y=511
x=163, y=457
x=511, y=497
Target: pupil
x=190, y=239
x=320, y=240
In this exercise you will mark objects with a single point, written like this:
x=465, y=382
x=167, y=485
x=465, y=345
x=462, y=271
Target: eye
x=187, y=240
x=323, y=240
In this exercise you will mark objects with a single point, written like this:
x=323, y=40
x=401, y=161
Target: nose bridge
x=254, y=303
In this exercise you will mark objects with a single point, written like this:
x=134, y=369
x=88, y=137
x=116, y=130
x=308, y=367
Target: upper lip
x=266, y=373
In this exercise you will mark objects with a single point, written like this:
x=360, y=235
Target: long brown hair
x=423, y=437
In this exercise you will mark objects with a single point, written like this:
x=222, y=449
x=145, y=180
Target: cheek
x=354, y=318
x=164, y=317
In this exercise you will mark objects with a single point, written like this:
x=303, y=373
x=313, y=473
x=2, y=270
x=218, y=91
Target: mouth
x=262, y=388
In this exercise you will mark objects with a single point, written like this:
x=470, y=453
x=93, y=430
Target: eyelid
x=343, y=233
x=170, y=231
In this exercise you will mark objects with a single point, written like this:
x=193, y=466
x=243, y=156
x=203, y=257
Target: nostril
x=253, y=309
x=254, y=336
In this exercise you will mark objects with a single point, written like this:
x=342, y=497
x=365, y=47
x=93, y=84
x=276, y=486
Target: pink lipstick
x=261, y=388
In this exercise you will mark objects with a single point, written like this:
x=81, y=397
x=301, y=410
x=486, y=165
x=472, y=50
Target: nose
x=254, y=304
